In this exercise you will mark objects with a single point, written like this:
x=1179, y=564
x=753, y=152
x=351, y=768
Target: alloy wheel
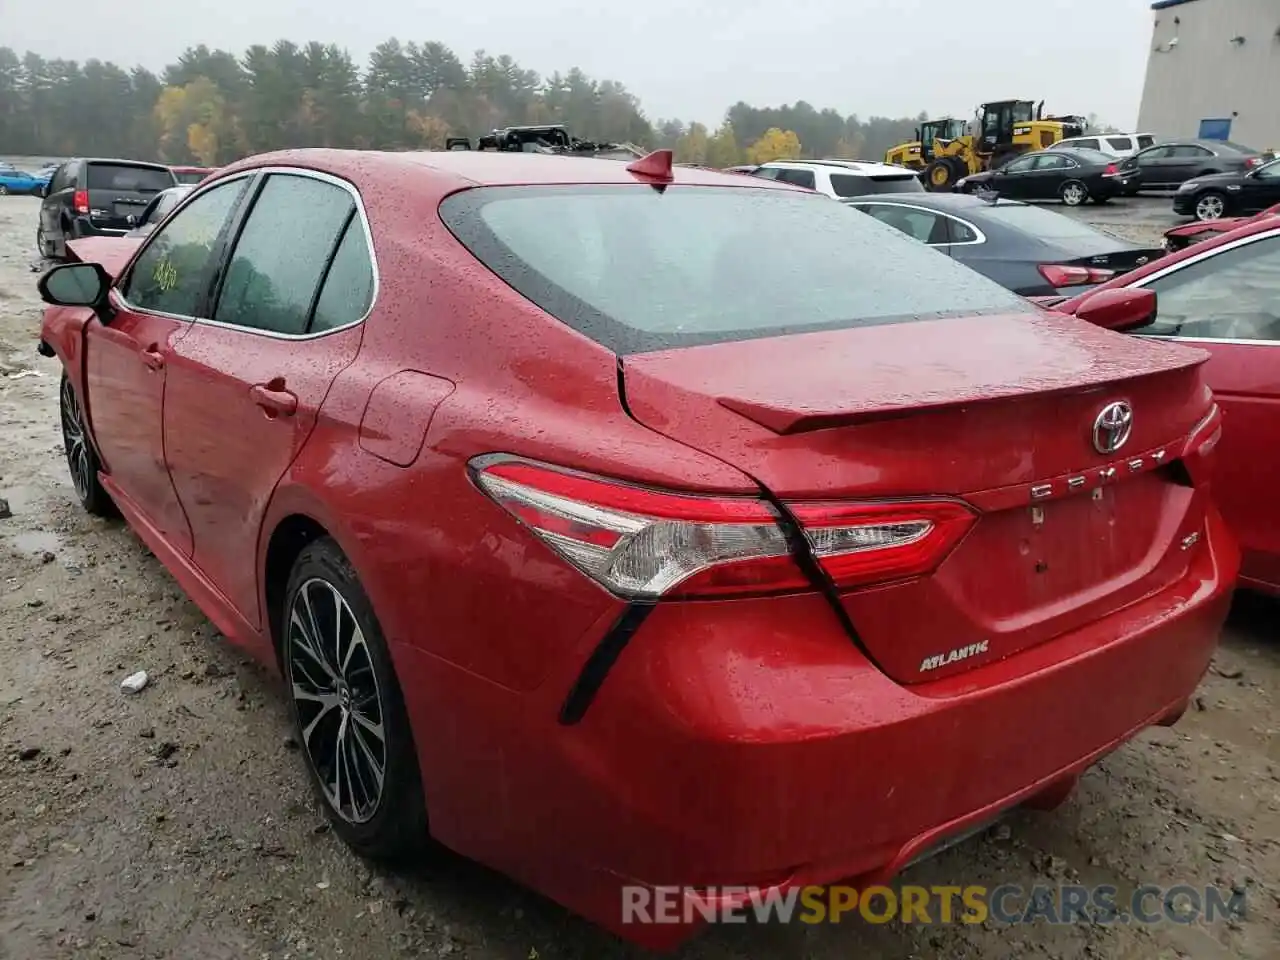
x=75, y=443
x=1074, y=194
x=338, y=700
x=1211, y=207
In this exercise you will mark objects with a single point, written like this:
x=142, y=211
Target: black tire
x=82, y=459
x=941, y=175
x=43, y=247
x=1073, y=193
x=355, y=691
x=1212, y=205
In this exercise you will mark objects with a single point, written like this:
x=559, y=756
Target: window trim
x=1198, y=258
x=224, y=246
x=982, y=237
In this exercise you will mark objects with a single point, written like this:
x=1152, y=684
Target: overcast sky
x=683, y=58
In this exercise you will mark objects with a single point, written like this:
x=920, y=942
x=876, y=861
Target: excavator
x=1001, y=130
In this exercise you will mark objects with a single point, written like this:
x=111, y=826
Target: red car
x=192, y=175
x=1183, y=236
x=1223, y=296
x=618, y=547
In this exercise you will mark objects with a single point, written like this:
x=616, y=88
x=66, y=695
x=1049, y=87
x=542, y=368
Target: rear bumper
x=748, y=743
x=82, y=227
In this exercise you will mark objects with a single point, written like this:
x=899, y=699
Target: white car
x=1118, y=145
x=842, y=178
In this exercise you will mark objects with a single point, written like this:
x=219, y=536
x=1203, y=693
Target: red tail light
x=1252, y=161
x=80, y=200
x=1061, y=275
x=1111, y=170
x=644, y=544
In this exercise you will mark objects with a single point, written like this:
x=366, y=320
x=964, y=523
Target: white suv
x=1118, y=145
x=842, y=178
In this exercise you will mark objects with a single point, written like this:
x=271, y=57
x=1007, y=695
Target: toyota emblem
x=1112, y=427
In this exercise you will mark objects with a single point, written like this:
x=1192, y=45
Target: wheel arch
x=291, y=535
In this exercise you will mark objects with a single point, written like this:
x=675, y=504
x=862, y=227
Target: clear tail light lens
x=642, y=543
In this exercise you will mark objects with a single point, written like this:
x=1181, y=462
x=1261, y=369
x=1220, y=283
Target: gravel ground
x=179, y=823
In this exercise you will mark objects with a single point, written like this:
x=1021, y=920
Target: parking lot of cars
x=1195, y=804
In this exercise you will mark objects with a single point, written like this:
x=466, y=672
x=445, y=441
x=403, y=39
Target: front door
x=1261, y=190
x=1228, y=303
x=245, y=388
x=1017, y=179
x=126, y=359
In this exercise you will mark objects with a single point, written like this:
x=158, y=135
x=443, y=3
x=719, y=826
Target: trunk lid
x=119, y=190
x=983, y=409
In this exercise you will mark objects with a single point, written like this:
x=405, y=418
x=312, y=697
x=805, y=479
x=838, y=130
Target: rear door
x=1188, y=160
x=1228, y=303
x=245, y=386
x=119, y=190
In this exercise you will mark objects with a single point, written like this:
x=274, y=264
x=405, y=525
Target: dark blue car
x=1030, y=250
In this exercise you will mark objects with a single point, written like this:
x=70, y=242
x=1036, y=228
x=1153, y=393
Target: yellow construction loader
x=918, y=153
x=1001, y=130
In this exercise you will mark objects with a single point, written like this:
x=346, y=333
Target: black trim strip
x=806, y=561
x=328, y=265
x=601, y=661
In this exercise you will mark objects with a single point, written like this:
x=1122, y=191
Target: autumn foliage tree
x=774, y=144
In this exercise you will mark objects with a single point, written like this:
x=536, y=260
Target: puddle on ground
x=35, y=542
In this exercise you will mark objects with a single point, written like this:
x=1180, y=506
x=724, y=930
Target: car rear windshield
x=128, y=177
x=855, y=185
x=1042, y=223
x=1092, y=156
x=638, y=269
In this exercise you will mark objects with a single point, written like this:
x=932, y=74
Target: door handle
x=276, y=402
x=152, y=357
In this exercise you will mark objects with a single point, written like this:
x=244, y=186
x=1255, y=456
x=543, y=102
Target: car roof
x=121, y=161
x=866, y=168
x=460, y=169
x=957, y=203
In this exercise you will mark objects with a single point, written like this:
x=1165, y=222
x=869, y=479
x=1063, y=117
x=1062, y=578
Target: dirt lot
x=179, y=823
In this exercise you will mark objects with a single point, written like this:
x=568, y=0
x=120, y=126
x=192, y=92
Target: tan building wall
x=1214, y=59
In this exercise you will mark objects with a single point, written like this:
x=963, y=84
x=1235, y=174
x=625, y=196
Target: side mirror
x=76, y=285
x=1119, y=308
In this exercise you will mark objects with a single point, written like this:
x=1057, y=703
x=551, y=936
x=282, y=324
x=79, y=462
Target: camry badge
x=1112, y=427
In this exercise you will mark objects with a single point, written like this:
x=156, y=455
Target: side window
x=1145, y=141
x=1231, y=296
x=1156, y=153
x=801, y=178
x=172, y=273
x=1270, y=172
x=1091, y=144
x=348, y=289
x=962, y=232
x=1021, y=165
x=61, y=178
x=1119, y=143
x=1191, y=151
x=281, y=254
x=920, y=224
x=1050, y=161
x=769, y=173
x=847, y=185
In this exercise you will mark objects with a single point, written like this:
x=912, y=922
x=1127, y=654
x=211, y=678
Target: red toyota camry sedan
x=628, y=525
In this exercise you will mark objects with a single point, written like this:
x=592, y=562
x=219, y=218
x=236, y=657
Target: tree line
x=212, y=107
